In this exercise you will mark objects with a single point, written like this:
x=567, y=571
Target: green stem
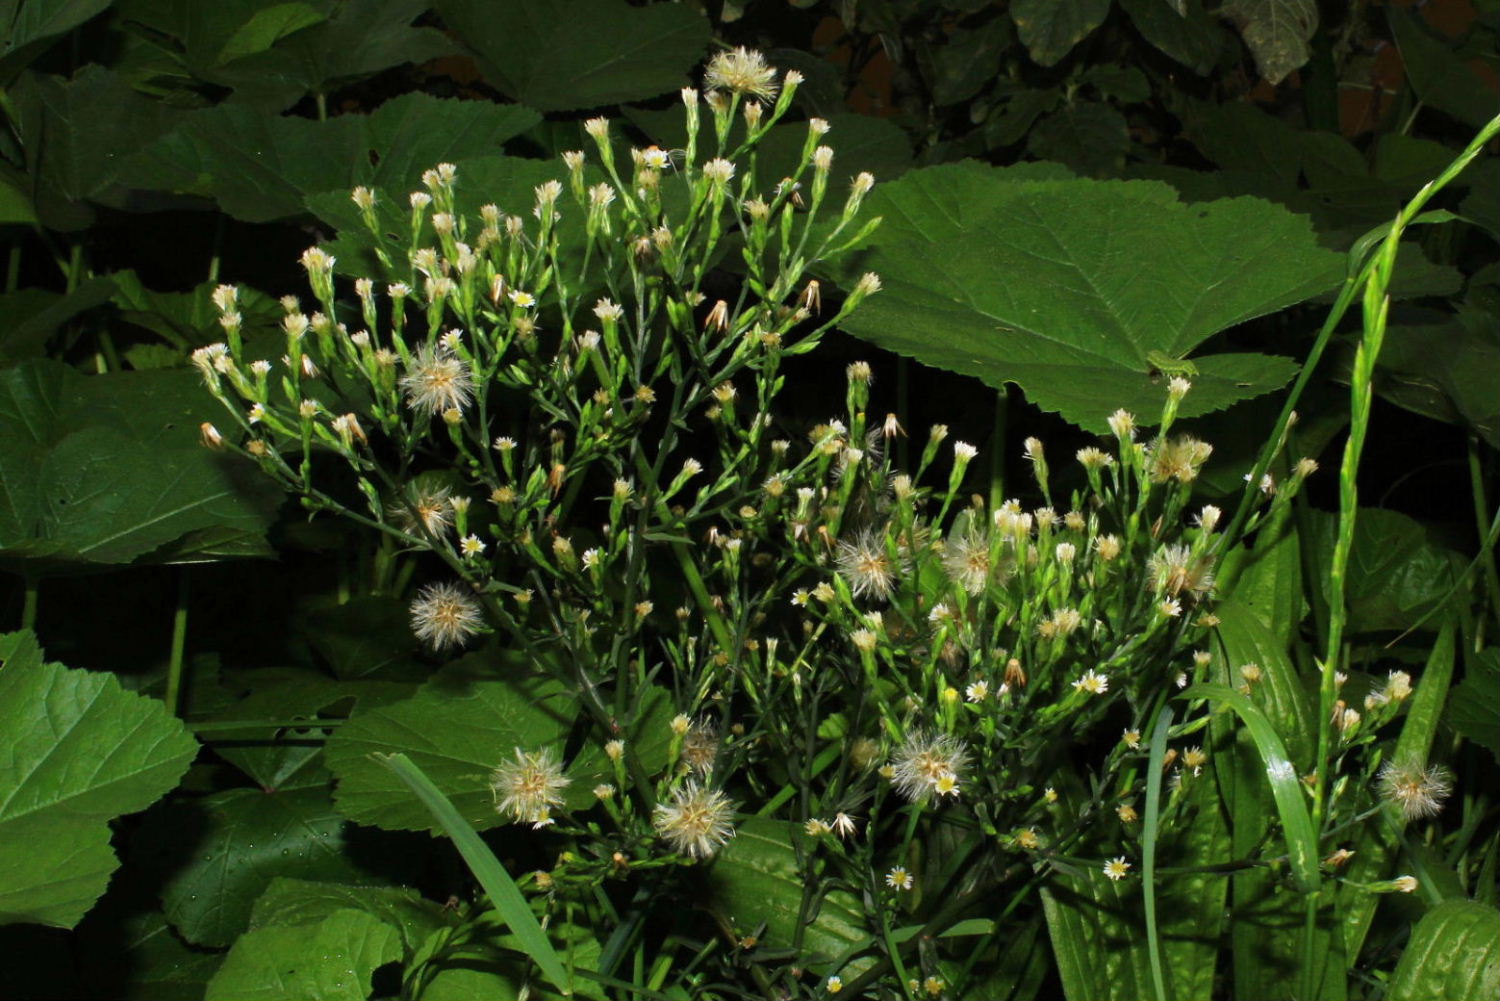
x=1481, y=515
x=29, y=603
x=175, y=666
x=13, y=266
x=997, y=448
x=1148, y=847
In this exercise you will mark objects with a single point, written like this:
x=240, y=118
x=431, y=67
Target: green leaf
x=564, y=55
x=1050, y=29
x=29, y=316
x=241, y=840
x=137, y=957
x=487, y=869
x=1474, y=707
x=290, y=902
x=365, y=637
x=259, y=168
x=1194, y=39
x=967, y=61
x=1277, y=32
x=79, y=751
x=15, y=205
x=457, y=731
x=1301, y=840
x=331, y=960
x=1065, y=286
x=1441, y=78
x=267, y=26
x=1397, y=573
x=1454, y=954
x=1089, y=136
x=759, y=877
x=108, y=469
x=27, y=27
x=1454, y=383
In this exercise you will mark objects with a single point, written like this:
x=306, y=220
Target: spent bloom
x=927, y=763
x=697, y=822
x=866, y=566
x=529, y=786
x=437, y=381
x=443, y=615
x=1418, y=791
x=743, y=71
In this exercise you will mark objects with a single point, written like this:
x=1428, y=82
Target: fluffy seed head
x=866, y=566
x=436, y=381
x=529, y=786
x=444, y=615
x=927, y=763
x=1418, y=791
x=743, y=71
x=697, y=822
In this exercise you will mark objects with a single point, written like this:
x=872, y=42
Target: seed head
x=444, y=616
x=436, y=381
x=1418, y=791
x=697, y=822
x=866, y=566
x=743, y=71
x=927, y=763
x=529, y=786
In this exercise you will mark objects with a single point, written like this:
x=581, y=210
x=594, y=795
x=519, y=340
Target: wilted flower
x=928, y=763
x=1418, y=791
x=437, y=380
x=697, y=822
x=529, y=786
x=866, y=566
x=743, y=71
x=444, y=615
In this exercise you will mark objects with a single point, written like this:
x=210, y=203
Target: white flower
x=898, y=878
x=443, y=615
x=1116, y=868
x=1092, y=682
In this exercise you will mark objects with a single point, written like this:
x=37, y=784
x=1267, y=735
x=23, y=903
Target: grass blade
x=1301, y=838
x=502, y=890
x=1148, y=847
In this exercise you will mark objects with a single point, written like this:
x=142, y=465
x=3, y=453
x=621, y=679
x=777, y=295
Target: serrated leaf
x=535, y=52
x=457, y=731
x=1454, y=954
x=290, y=902
x=758, y=878
x=1050, y=29
x=1066, y=286
x=1188, y=34
x=27, y=27
x=267, y=26
x=259, y=168
x=331, y=960
x=1277, y=32
x=241, y=840
x=79, y=751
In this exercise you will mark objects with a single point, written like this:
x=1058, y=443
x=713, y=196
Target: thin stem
x=29, y=603
x=1481, y=515
x=175, y=665
x=13, y=266
x=997, y=448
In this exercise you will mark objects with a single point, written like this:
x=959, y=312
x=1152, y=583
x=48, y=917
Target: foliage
x=546, y=604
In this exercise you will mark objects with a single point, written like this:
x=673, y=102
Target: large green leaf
x=261, y=167
x=457, y=730
x=1050, y=29
x=272, y=53
x=758, y=878
x=1096, y=924
x=1277, y=31
x=1397, y=574
x=1443, y=366
x=135, y=956
x=1441, y=77
x=79, y=751
x=108, y=469
x=29, y=26
x=1066, y=286
x=562, y=55
x=289, y=902
x=77, y=135
x=1454, y=954
x=1192, y=38
x=1474, y=709
x=239, y=841
x=29, y=316
x=331, y=960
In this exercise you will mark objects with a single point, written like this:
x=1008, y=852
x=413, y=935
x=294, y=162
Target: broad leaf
x=1454, y=383
x=758, y=878
x=138, y=957
x=1194, y=39
x=29, y=316
x=241, y=840
x=108, y=469
x=79, y=751
x=331, y=960
x=1066, y=286
x=1277, y=31
x=27, y=27
x=1441, y=77
x=1474, y=708
x=259, y=168
x=967, y=61
x=289, y=902
x=457, y=731
x=563, y=55
x=1050, y=29
x=267, y=26
x=1397, y=573
x=1089, y=136
x=1454, y=954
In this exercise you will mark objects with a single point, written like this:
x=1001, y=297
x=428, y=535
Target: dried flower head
x=697, y=822
x=967, y=560
x=700, y=747
x=443, y=615
x=926, y=763
x=436, y=381
x=1177, y=459
x=1418, y=791
x=1175, y=569
x=743, y=71
x=867, y=567
x=529, y=786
